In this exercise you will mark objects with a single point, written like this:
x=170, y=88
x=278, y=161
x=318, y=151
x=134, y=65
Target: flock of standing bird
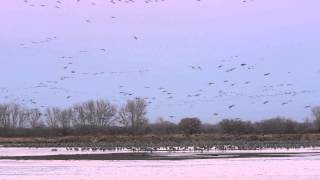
x=226, y=88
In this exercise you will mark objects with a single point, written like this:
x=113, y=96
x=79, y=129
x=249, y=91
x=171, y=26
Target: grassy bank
x=200, y=140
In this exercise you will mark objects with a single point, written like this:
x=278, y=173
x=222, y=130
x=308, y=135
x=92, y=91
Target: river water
x=304, y=166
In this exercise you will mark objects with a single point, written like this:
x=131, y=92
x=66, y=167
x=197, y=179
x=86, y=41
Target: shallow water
x=303, y=167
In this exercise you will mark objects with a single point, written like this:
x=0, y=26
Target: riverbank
x=204, y=141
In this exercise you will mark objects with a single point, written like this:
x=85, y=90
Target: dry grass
x=155, y=139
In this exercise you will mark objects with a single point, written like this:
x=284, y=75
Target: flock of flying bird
x=59, y=3
x=70, y=72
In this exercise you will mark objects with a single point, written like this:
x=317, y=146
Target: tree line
x=103, y=117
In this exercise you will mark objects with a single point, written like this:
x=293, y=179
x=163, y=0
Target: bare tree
x=11, y=116
x=64, y=118
x=58, y=118
x=4, y=116
x=23, y=118
x=14, y=110
x=316, y=114
x=89, y=112
x=52, y=117
x=133, y=114
x=79, y=117
x=105, y=113
x=34, y=116
x=98, y=113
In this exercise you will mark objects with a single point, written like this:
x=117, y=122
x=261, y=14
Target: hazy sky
x=50, y=50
